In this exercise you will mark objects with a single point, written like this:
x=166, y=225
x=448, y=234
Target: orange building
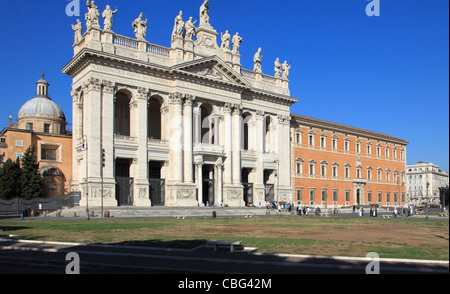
x=42, y=123
x=335, y=165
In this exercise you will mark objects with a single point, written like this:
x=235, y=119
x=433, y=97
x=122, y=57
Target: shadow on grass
x=182, y=244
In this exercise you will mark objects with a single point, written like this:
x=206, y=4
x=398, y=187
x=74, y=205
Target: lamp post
x=277, y=175
x=428, y=184
x=85, y=148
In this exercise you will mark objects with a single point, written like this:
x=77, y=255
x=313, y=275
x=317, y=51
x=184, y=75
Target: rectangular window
x=388, y=197
x=324, y=195
x=48, y=154
x=299, y=194
x=323, y=170
x=369, y=196
x=395, y=197
x=346, y=146
x=311, y=140
x=311, y=169
x=334, y=171
x=335, y=195
x=19, y=143
x=46, y=128
x=334, y=143
x=322, y=142
x=29, y=126
x=311, y=196
x=380, y=197
x=347, y=195
x=347, y=172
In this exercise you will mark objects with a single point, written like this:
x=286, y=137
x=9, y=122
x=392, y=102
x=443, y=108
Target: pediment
x=212, y=68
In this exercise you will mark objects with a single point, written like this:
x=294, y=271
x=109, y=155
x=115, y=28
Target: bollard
x=214, y=214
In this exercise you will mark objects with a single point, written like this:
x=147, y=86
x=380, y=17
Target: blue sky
x=386, y=73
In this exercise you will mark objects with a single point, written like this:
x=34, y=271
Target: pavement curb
x=249, y=249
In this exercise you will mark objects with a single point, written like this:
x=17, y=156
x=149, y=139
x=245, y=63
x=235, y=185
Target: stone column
x=91, y=124
x=260, y=138
x=179, y=193
x=228, y=144
x=176, y=137
x=199, y=182
x=77, y=133
x=141, y=184
x=218, y=176
x=259, y=188
x=236, y=149
x=107, y=118
x=196, y=123
x=188, y=139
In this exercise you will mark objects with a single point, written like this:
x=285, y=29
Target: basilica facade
x=178, y=126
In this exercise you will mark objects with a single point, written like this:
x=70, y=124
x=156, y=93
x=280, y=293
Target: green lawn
x=346, y=236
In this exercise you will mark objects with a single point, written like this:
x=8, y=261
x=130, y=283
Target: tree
x=10, y=185
x=31, y=180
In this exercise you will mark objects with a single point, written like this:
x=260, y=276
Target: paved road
x=36, y=257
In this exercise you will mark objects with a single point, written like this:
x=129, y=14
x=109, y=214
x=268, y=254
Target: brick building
x=41, y=123
x=335, y=165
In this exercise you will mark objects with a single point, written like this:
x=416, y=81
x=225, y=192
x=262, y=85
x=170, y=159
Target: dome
x=41, y=107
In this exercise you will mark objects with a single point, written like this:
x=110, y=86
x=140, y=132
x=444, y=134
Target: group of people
x=283, y=206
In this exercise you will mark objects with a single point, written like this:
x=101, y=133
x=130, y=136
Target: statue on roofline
x=277, y=68
x=92, y=15
x=204, y=12
x=189, y=29
x=107, y=15
x=140, y=27
x=178, y=26
x=236, y=42
x=257, y=60
x=225, y=46
x=286, y=69
x=78, y=29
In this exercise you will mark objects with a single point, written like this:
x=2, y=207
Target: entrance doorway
x=357, y=196
x=156, y=184
x=124, y=183
x=269, y=188
x=208, y=184
x=248, y=187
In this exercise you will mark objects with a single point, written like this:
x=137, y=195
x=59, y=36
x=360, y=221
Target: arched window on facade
x=154, y=121
x=206, y=124
x=246, y=121
x=122, y=114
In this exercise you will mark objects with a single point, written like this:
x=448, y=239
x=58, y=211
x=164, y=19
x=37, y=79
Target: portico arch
x=122, y=113
x=154, y=121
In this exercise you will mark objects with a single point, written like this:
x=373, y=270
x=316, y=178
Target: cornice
x=317, y=123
